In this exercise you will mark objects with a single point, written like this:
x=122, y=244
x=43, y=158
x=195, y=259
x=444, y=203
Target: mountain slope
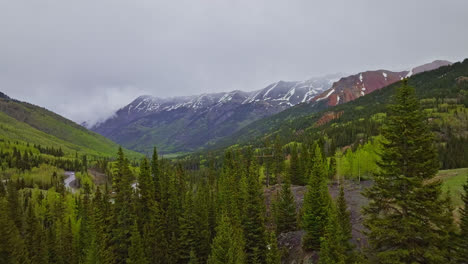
x=445, y=86
x=188, y=123
x=360, y=84
x=26, y=122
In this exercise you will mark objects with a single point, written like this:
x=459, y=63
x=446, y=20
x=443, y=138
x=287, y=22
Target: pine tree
x=201, y=208
x=253, y=218
x=66, y=244
x=278, y=158
x=332, y=250
x=316, y=202
x=101, y=243
x=136, y=252
x=344, y=220
x=187, y=230
x=228, y=244
x=86, y=232
x=294, y=173
x=405, y=212
x=145, y=193
x=332, y=168
x=304, y=160
x=286, y=210
x=462, y=240
x=156, y=171
x=155, y=236
x=34, y=237
x=193, y=258
x=12, y=246
x=13, y=203
x=273, y=255
x=123, y=209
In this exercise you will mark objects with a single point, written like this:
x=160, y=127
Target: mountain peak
x=430, y=66
x=4, y=96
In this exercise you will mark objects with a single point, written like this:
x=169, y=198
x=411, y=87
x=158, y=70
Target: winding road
x=69, y=179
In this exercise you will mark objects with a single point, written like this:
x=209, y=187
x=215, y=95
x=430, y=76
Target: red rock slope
x=357, y=85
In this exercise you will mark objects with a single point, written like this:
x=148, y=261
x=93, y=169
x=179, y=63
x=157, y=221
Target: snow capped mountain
x=211, y=115
x=281, y=94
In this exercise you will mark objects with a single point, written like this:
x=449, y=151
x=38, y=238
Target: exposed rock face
x=354, y=86
x=357, y=85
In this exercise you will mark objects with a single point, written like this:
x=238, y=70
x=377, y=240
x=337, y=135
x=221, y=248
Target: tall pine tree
x=286, y=219
x=316, y=202
x=123, y=209
x=405, y=212
x=332, y=250
x=253, y=218
x=294, y=172
x=228, y=244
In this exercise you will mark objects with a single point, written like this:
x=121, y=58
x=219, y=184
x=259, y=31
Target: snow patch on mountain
x=269, y=90
x=326, y=96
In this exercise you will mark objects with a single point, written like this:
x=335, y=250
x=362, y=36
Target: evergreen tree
x=253, y=218
x=145, y=195
x=155, y=171
x=34, y=237
x=12, y=246
x=13, y=203
x=228, y=244
x=273, y=255
x=66, y=244
x=86, y=228
x=462, y=240
x=84, y=163
x=332, y=168
x=405, y=212
x=102, y=217
x=332, y=250
x=294, y=173
x=304, y=160
x=286, y=219
x=187, y=229
x=136, y=252
x=123, y=209
x=344, y=220
x=278, y=158
x=316, y=202
x=193, y=258
x=202, y=237
x=155, y=236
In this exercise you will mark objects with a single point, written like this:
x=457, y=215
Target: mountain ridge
x=189, y=122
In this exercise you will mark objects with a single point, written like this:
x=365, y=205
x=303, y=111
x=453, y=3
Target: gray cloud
x=84, y=59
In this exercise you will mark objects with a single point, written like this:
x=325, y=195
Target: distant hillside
x=36, y=125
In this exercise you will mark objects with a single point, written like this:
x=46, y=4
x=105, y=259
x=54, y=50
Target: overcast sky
x=86, y=58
